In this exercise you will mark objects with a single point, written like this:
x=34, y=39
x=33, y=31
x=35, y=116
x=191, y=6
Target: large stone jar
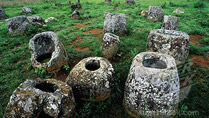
x=171, y=42
x=2, y=13
x=110, y=45
x=92, y=77
x=170, y=22
x=154, y=13
x=115, y=23
x=47, y=52
x=152, y=86
x=38, y=98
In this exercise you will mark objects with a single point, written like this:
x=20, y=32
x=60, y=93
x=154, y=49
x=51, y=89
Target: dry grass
x=5, y=3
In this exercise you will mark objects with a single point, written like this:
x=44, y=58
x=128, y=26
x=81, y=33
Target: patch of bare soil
x=204, y=62
x=74, y=61
x=77, y=41
x=61, y=75
x=80, y=25
x=195, y=39
x=86, y=49
x=95, y=31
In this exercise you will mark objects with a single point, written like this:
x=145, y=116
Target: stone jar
x=154, y=13
x=35, y=20
x=170, y=22
x=2, y=13
x=27, y=10
x=171, y=42
x=47, y=52
x=152, y=86
x=41, y=98
x=130, y=2
x=110, y=45
x=17, y=25
x=115, y=23
x=92, y=77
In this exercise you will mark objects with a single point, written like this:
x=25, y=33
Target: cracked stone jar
x=152, y=86
x=92, y=77
x=170, y=42
x=41, y=98
x=47, y=52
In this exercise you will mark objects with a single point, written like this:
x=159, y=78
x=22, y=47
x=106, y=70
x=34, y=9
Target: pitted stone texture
x=36, y=20
x=152, y=91
x=45, y=46
x=27, y=10
x=2, y=13
x=171, y=42
x=170, y=23
x=76, y=14
x=110, y=45
x=38, y=98
x=92, y=77
x=130, y=2
x=115, y=23
x=154, y=13
x=178, y=11
x=17, y=25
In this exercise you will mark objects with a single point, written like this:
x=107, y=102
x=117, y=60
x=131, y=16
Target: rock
x=2, y=13
x=178, y=10
x=75, y=6
x=170, y=42
x=17, y=25
x=130, y=2
x=170, y=23
x=152, y=83
x=198, y=11
x=50, y=19
x=27, y=10
x=154, y=13
x=92, y=77
x=110, y=45
x=41, y=98
x=36, y=20
x=144, y=13
x=107, y=1
x=47, y=52
x=115, y=23
x=76, y=14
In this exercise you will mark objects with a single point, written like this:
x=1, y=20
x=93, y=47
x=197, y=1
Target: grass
x=15, y=65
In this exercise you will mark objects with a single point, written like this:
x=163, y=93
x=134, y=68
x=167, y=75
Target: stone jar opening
x=92, y=65
x=153, y=62
x=47, y=87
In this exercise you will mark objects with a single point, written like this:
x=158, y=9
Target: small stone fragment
x=178, y=10
x=170, y=23
x=2, y=13
x=76, y=14
x=110, y=45
x=27, y=10
x=41, y=98
x=130, y=2
x=144, y=13
x=36, y=20
x=92, y=77
x=154, y=13
x=50, y=19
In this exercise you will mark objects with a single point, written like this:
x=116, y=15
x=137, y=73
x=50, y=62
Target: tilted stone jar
x=41, y=98
x=47, y=52
x=92, y=77
x=110, y=45
x=171, y=42
x=152, y=86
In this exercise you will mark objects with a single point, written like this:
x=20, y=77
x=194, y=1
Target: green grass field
x=15, y=65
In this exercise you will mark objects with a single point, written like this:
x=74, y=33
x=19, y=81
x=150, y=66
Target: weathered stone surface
x=152, y=83
x=107, y=1
x=27, y=10
x=170, y=22
x=92, y=77
x=110, y=45
x=2, y=13
x=178, y=10
x=50, y=19
x=41, y=98
x=76, y=14
x=115, y=23
x=171, y=42
x=36, y=20
x=130, y=2
x=47, y=52
x=154, y=13
x=144, y=13
x=17, y=25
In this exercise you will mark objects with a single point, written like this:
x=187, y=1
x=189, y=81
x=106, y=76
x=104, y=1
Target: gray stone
x=2, y=13
x=154, y=13
x=50, y=19
x=35, y=20
x=17, y=25
x=130, y=2
x=115, y=23
x=92, y=77
x=41, y=98
x=170, y=22
x=47, y=52
x=27, y=10
x=76, y=14
x=155, y=89
x=170, y=42
x=178, y=11
x=107, y=1
x=110, y=45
